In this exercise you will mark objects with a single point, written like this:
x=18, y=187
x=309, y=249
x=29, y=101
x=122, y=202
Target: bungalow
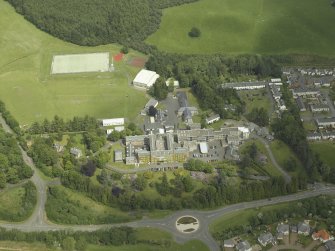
x=243, y=246
x=212, y=119
x=77, y=153
x=304, y=228
x=228, y=243
x=314, y=136
x=322, y=235
x=330, y=245
x=265, y=239
x=320, y=108
x=283, y=229
x=325, y=122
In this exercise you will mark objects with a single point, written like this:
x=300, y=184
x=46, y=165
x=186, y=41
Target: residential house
x=244, y=85
x=314, y=136
x=330, y=245
x=320, y=108
x=243, y=246
x=283, y=228
x=58, y=147
x=304, y=228
x=77, y=153
x=265, y=239
x=325, y=122
x=212, y=119
x=228, y=243
x=322, y=235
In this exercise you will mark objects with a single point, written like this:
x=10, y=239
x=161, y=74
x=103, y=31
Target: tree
x=140, y=183
x=159, y=90
x=68, y=244
x=89, y=168
x=125, y=49
x=81, y=244
x=103, y=177
x=163, y=188
x=2, y=180
x=194, y=32
x=152, y=111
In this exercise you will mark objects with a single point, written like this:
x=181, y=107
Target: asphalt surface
x=39, y=222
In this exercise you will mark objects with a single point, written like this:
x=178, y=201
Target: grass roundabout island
x=187, y=224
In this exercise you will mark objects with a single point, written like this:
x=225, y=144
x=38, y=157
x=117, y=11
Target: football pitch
x=79, y=63
x=32, y=93
x=249, y=27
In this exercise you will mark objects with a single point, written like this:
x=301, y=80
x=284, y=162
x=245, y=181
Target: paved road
x=286, y=176
x=38, y=221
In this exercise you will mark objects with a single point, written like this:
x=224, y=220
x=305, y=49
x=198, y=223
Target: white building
x=145, y=79
x=113, y=122
x=212, y=119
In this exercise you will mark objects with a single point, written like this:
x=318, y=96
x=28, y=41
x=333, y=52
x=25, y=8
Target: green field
x=283, y=153
x=76, y=208
x=255, y=99
x=32, y=94
x=11, y=205
x=255, y=26
x=326, y=149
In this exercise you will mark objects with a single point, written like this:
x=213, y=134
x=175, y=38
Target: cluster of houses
x=275, y=85
x=76, y=152
x=321, y=136
x=302, y=228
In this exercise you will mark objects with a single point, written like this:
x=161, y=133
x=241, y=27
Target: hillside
x=255, y=26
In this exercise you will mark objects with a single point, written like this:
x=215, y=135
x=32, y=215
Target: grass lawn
x=32, y=94
x=22, y=246
x=240, y=218
x=256, y=26
x=268, y=167
x=255, y=99
x=282, y=153
x=11, y=208
x=326, y=149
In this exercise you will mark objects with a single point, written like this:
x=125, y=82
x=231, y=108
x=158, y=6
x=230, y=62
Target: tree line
x=12, y=167
x=218, y=192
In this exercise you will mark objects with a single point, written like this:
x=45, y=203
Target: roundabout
x=187, y=224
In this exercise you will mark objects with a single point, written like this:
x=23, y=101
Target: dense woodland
x=13, y=169
x=206, y=74
x=96, y=22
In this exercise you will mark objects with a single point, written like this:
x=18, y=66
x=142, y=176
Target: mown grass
x=240, y=218
x=326, y=149
x=32, y=94
x=256, y=26
x=255, y=99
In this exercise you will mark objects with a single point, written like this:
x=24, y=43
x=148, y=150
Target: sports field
x=79, y=63
x=31, y=93
x=254, y=26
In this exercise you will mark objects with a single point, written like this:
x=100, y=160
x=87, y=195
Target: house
x=320, y=108
x=328, y=135
x=244, y=85
x=304, y=92
x=212, y=119
x=243, y=246
x=325, y=122
x=113, y=122
x=228, y=243
x=119, y=128
x=77, y=153
x=300, y=104
x=58, y=147
x=265, y=239
x=314, y=136
x=304, y=228
x=283, y=229
x=152, y=102
x=173, y=82
x=118, y=156
x=322, y=235
x=330, y=245
x=276, y=81
x=145, y=79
